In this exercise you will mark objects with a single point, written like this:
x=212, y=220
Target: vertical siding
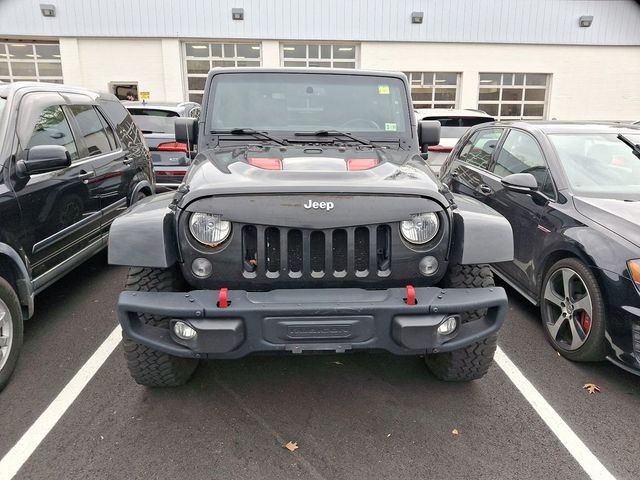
x=616, y=22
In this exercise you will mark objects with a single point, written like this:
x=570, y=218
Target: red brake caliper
x=411, y=295
x=585, y=321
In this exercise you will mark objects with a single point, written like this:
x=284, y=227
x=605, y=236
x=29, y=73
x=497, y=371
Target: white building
x=565, y=59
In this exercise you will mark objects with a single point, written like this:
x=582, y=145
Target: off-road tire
x=148, y=366
x=473, y=361
x=10, y=299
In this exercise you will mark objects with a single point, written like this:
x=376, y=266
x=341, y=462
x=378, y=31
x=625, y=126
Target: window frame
x=86, y=154
x=522, y=102
x=334, y=62
x=210, y=58
x=470, y=135
x=37, y=77
x=433, y=103
x=544, y=158
x=70, y=121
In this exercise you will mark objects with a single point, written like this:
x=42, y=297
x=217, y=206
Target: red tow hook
x=411, y=295
x=222, y=298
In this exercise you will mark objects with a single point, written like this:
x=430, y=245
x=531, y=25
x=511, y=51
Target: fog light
x=448, y=325
x=201, y=267
x=184, y=331
x=428, y=266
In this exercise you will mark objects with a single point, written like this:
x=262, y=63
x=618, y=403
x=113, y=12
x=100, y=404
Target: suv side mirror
x=43, y=159
x=186, y=130
x=520, y=183
x=428, y=133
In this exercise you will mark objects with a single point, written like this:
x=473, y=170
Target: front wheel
x=148, y=366
x=10, y=331
x=572, y=311
x=473, y=361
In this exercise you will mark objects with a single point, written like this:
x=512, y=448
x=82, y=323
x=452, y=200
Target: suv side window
x=520, y=153
x=479, y=148
x=92, y=129
x=52, y=128
x=108, y=130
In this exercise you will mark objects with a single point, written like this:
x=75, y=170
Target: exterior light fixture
x=237, y=13
x=586, y=21
x=417, y=17
x=48, y=10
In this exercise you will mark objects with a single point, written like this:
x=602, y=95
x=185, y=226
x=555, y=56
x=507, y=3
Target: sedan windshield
x=599, y=164
x=293, y=103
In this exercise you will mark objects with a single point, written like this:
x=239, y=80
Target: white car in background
x=454, y=123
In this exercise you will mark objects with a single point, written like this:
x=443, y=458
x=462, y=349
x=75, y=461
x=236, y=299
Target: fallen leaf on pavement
x=591, y=388
x=337, y=363
x=388, y=435
x=291, y=446
x=455, y=432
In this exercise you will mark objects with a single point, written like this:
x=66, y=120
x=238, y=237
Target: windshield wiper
x=249, y=131
x=334, y=133
x=635, y=147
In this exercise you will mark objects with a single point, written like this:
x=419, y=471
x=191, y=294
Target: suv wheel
x=572, y=311
x=10, y=331
x=473, y=361
x=147, y=366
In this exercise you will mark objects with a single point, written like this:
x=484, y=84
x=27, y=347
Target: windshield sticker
x=391, y=127
x=383, y=90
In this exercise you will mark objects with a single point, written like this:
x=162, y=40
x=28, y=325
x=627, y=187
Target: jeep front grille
x=300, y=253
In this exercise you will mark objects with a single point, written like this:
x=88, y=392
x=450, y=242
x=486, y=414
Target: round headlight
x=421, y=228
x=209, y=229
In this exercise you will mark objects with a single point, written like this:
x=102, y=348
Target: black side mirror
x=43, y=159
x=187, y=132
x=428, y=133
x=520, y=183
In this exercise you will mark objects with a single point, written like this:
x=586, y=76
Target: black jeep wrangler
x=308, y=221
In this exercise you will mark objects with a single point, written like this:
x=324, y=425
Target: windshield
x=599, y=164
x=309, y=102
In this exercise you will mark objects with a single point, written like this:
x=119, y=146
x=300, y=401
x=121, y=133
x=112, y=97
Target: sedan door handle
x=486, y=189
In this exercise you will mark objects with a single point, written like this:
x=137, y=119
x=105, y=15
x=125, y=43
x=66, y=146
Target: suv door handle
x=454, y=172
x=127, y=161
x=85, y=176
x=486, y=189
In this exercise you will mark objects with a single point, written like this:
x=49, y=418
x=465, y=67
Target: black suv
x=308, y=222
x=71, y=161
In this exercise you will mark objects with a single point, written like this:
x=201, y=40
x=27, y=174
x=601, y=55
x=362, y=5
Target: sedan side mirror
x=186, y=130
x=428, y=133
x=520, y=183
x=43, y=159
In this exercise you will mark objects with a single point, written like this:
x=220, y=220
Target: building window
x=200, y=57
x=32, y=61
x=339, y=55
x=514, y=95
x=434, y=89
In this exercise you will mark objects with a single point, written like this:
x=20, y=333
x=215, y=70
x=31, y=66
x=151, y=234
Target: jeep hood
x=227, y=171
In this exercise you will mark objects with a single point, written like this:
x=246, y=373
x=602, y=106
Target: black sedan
x=572, y=194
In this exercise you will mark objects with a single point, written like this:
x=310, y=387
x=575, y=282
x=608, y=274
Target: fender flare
x=480, y=234
x=23, y=279
x=145, y=235
x=139, y=186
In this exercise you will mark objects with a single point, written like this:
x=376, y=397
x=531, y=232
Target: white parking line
x=21, y=451
x=576, y=447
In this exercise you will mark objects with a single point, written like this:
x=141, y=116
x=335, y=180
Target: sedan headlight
x=209, y=229
x=634, y=271
x=421, y=228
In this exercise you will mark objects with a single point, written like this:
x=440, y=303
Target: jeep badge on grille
x=328, y=206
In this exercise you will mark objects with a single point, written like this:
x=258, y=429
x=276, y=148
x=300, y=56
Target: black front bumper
x=311, y=320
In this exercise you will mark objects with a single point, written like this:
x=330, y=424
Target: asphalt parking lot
x=352, y=416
